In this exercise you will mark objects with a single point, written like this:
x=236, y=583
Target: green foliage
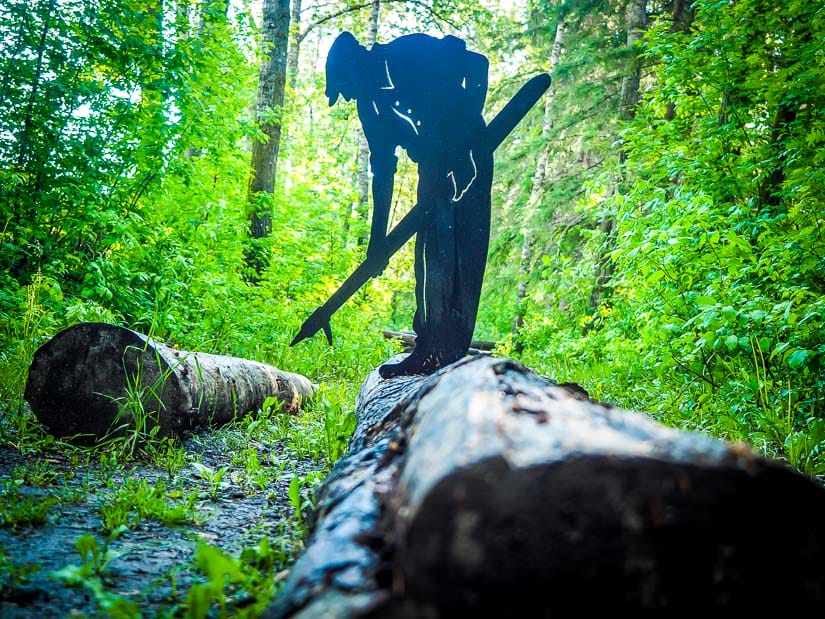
x=239, y=587
x=301, y=495
x=124, y=165
x=716, y=300
x=89, y=574
x=135, y=501
x=19, y=510
x=14, y=576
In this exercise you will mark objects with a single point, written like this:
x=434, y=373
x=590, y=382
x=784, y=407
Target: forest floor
x=69, y=557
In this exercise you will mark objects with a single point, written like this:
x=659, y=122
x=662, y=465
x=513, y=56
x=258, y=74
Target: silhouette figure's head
x=344, y=68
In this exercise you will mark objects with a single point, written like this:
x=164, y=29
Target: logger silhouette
x=426, y=95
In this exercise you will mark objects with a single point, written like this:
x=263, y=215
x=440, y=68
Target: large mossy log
x=95, y=379
x=487, y=490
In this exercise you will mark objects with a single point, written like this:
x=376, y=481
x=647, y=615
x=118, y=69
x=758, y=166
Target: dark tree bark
x=486, y=490
x=683, y=14
x=94, y=378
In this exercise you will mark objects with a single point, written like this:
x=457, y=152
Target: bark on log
x=92, y=378
x=407, y=339
x=487, y=490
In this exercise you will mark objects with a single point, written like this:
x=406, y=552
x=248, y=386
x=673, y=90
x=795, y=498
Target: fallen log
x=487, y=490
x=407, y=339
x=95, y=380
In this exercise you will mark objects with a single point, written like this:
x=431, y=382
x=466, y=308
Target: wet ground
x=229, y=505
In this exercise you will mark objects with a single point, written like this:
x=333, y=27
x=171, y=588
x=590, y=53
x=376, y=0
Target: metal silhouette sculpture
x=426, y=95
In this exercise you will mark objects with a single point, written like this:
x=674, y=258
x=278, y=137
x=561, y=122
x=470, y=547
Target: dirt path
x=227, y=500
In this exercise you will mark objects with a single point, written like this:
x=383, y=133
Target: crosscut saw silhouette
x=498, y=129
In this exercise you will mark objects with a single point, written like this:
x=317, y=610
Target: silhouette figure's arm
x=383, y=181
x=383, y=164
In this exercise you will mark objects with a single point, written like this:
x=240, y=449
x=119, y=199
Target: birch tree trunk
x=294, y=47
x=95, y=380
x=363, y=159
x=536, y=191
x=486, y=490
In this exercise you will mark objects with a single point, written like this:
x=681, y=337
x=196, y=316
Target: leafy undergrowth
x=205, y=527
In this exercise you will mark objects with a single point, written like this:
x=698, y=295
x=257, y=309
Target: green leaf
x=797, y=358
x=216, y=564
x=294, y=492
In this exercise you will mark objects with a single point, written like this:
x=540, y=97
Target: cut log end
x=80, y=380
x=608, y=532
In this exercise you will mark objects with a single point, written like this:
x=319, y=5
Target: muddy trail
x=92, y=537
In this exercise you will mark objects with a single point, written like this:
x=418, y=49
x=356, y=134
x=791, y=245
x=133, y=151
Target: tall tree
x=362, y=165
x=294, y=46
x=268, y=113
x=682, y=12
x=635, y=23
x=537, y=188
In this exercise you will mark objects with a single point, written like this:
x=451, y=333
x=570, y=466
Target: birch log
x=94, y=379
x=489, y=491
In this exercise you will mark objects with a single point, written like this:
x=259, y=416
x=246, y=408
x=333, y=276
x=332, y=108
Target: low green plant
x=338, y=426
x=213, y=477
x=22, y=332
x=13, y=575
x=263, y=426
x=805, y=448
x=94, y=559
x=294, y=494
x=168, y=455
x=256, y=475
x=237, y=587
x=37, y=473
x=136, y=426
x=18, y=509
x=137, y=500
x=301, y=494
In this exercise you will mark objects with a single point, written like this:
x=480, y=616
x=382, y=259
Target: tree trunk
x=269, y=108
x=486, y=490
x=635, y=21
x=536, y=192
x=294, y=47
x=683, y=14
x=95, y=379
x=362, y=177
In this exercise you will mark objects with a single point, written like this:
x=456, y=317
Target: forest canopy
x=658, y=222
